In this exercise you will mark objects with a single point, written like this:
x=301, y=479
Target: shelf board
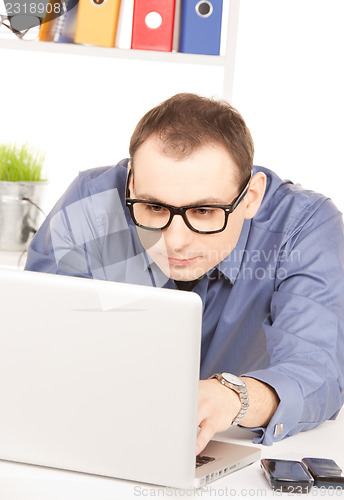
x=128, y=54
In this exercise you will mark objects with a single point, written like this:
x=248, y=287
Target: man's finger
x=204, y=436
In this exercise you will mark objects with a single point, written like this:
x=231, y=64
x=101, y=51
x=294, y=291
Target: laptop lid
x=99, y=377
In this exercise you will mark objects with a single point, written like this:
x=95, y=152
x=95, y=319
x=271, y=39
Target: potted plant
x=21, y=189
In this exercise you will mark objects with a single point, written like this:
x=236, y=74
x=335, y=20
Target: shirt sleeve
x=305, y=328
x=54, y=248
x=88, y=235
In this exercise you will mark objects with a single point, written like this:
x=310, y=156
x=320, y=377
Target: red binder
x=152, y=13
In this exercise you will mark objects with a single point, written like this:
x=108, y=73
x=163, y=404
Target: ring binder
x=153, y=23
x=200, y=26
x=97, y=22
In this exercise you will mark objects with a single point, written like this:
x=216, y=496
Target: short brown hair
x=186, y=122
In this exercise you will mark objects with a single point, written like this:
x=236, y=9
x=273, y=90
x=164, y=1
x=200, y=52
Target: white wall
x=288, y=85
x=83, y=110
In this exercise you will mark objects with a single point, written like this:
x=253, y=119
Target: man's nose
x=177, y=234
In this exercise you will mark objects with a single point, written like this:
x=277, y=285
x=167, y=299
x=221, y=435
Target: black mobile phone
x=326, y=473
x=287, y=476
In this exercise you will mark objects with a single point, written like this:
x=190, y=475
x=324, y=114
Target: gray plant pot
x=19, y=215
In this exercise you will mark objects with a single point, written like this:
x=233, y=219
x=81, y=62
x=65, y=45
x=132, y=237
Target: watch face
x=233, y=379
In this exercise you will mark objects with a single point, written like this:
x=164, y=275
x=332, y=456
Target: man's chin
x=182, y=274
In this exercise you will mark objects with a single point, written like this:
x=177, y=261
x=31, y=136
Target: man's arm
x=304, y=383
x=43, y=252
x=72, y=238
x=218, y=406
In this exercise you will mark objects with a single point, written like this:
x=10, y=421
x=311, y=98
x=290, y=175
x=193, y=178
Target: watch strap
x=241, y=390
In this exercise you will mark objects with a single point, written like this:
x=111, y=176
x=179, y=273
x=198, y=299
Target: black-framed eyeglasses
x=202, y=219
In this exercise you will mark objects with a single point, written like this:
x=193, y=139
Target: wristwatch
x=238, y=385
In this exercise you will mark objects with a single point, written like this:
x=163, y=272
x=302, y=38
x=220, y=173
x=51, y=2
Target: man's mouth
x=178, y=261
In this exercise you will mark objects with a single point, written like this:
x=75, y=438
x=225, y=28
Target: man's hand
x=218, y=406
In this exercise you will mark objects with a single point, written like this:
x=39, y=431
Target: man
x=190, y=211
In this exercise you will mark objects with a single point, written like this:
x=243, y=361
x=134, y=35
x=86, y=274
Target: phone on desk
x=287, y=476
x=298, y=477
x=326, y=473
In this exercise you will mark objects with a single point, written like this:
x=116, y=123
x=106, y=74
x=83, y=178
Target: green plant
x=20, y=163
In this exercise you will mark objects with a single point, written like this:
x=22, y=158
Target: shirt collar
x=230, y=266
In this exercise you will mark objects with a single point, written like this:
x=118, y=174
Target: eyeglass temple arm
x=242, y=194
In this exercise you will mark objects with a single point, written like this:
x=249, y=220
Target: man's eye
x=155, y=208
x=203, y=211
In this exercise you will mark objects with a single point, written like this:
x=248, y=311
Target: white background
x=288, y=85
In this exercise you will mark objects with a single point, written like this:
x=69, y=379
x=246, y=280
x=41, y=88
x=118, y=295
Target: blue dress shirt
x=272, y=310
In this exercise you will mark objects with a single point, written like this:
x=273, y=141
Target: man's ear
x=130, y=177
x=255, y=195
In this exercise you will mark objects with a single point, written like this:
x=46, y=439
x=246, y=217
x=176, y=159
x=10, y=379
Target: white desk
x=24, y=482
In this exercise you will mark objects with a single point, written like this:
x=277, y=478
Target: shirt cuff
x=288, y=414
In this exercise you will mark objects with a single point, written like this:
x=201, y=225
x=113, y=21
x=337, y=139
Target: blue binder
x=200, y=26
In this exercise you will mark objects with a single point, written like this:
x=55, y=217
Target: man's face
x=206, y=177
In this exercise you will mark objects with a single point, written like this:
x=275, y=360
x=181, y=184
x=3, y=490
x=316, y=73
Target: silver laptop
x=102, y=378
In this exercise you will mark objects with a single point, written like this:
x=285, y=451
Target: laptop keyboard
x=203, y=460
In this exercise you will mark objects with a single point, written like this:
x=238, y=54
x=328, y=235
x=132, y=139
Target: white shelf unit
x=226, y=61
